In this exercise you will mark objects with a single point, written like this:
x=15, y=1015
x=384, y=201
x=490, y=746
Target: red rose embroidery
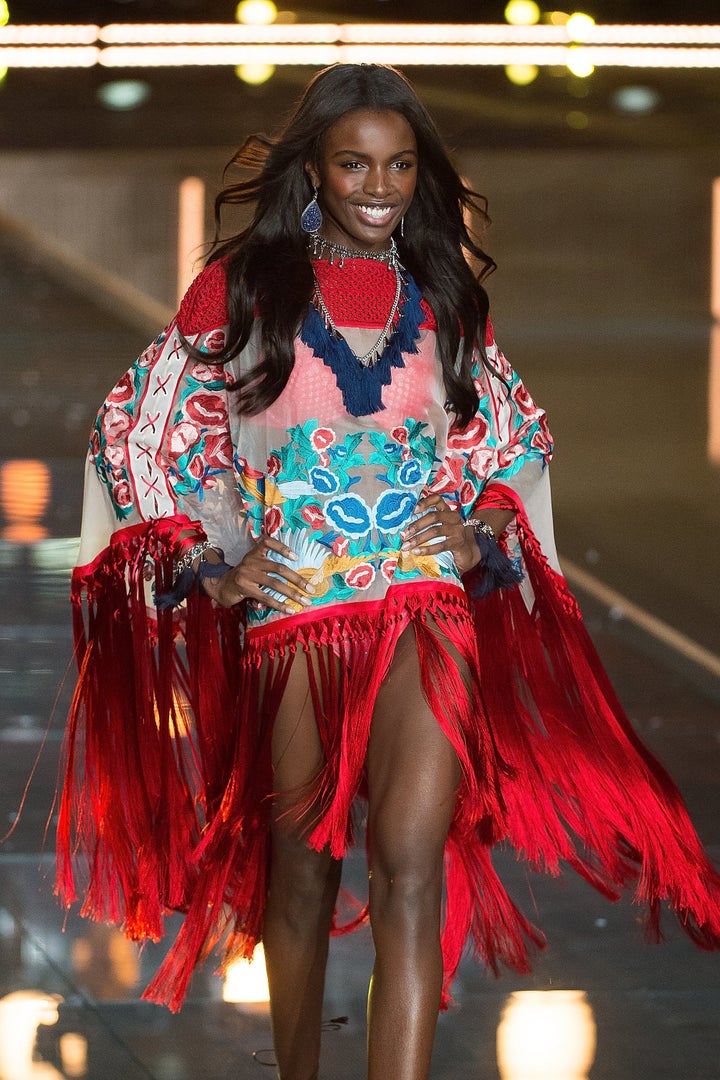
x=522, y=399
x=147, y=356
x=388, y=568
x=313, y=515
x=196, y=468
x=115, y=455
x=124, y=391
x=322, y=437
x=219, y=451
x=340, y=545
x=400, y=434
x=361, y=576
x=509, y=454
x=182, y=438
x=208, y=409
x=204, y=373
x=273, y=465
x=215, y=341
x=115, y=421
x=541, y=440
x=273, y=520
x=449, y=477
x=471, y=436
x=481, y=462
x=122, y=494
x=468, y=494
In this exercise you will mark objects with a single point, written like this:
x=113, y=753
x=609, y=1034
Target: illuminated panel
x=713, y=448
x=411, y=55
x=191, y=230
x=715, y=271
x=355, y=33
x=216, y=33
x=44, y=56
x=84, y=34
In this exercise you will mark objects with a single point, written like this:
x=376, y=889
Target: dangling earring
x=402, y=225
x=311, y=218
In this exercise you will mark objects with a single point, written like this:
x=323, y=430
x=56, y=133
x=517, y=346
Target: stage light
x=521, y=74
x=25, y=486
x=580, y=27
x=256, y=12
x=21, y=1014
x=580, y=63
x=522, y=13
x=546, y=1035
x=255, y=74
x=4, y=13
x=246, y=980
x=124, y=94
x=635, y=99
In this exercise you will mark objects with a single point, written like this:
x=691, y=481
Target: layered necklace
x=361, y=378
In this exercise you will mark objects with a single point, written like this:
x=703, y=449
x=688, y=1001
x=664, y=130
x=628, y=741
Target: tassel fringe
x=168, y=777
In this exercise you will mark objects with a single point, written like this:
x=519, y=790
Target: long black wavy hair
x=268, y=270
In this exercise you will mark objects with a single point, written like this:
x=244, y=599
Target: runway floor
x=651, y=1012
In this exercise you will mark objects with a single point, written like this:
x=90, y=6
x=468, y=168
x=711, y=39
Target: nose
x=378, y=181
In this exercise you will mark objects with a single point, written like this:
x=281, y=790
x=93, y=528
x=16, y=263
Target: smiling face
x=366, y=175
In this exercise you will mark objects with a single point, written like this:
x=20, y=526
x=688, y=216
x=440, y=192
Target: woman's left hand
x=441, y=529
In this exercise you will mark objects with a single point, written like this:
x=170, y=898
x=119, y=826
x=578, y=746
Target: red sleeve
x=204, y=306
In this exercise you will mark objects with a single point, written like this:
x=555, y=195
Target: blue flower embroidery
x=349, y=514
x=323, y=480
x=410, y=473
x=393, y=509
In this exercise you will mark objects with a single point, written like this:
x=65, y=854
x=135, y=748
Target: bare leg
x=413, y=778
x=302, y=891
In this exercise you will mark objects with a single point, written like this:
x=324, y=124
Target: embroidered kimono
x=167, y=791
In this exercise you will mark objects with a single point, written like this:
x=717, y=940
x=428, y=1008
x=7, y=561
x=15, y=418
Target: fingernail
x=309, y=588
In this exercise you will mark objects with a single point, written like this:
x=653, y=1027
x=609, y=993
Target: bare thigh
x=413, y=776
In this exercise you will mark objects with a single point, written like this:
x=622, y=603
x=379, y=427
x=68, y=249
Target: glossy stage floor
x=643, y=523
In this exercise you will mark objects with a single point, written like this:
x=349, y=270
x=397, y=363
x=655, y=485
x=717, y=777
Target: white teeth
x=376, y=211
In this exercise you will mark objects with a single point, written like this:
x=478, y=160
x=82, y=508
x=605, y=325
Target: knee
x=406, y=891
x=303, y=882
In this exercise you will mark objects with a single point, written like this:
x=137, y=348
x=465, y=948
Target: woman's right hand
x=255, y=574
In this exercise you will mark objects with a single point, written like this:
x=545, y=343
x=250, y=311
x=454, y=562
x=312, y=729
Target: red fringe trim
x=168, y=778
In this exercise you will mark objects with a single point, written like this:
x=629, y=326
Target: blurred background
x=595, y=136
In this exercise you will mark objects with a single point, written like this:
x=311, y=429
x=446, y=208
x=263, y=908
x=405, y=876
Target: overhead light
x=580, y=63
x=635, y=99
x=522, y=13
x=256, y=12
x=4, y=13
x=124, y=94
x=580, y=26
x=521, y=74
x=255, y=74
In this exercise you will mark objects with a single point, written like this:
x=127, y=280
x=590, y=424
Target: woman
x=329, y=460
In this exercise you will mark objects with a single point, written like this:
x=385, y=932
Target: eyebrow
x=360, y=154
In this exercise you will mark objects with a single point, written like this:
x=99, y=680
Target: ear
x=313, y=174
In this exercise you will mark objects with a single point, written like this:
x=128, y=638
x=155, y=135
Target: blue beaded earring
x=311, y=218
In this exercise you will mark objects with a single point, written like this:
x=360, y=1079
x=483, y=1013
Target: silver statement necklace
x=318, y=246
x=372, y=356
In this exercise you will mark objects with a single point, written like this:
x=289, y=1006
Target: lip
x=375, y=213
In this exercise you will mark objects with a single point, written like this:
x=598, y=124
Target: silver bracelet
x=190, y=556
x=482, y=527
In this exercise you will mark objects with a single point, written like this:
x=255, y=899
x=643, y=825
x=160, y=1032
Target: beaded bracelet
x=482, y=527
x=189, y=557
